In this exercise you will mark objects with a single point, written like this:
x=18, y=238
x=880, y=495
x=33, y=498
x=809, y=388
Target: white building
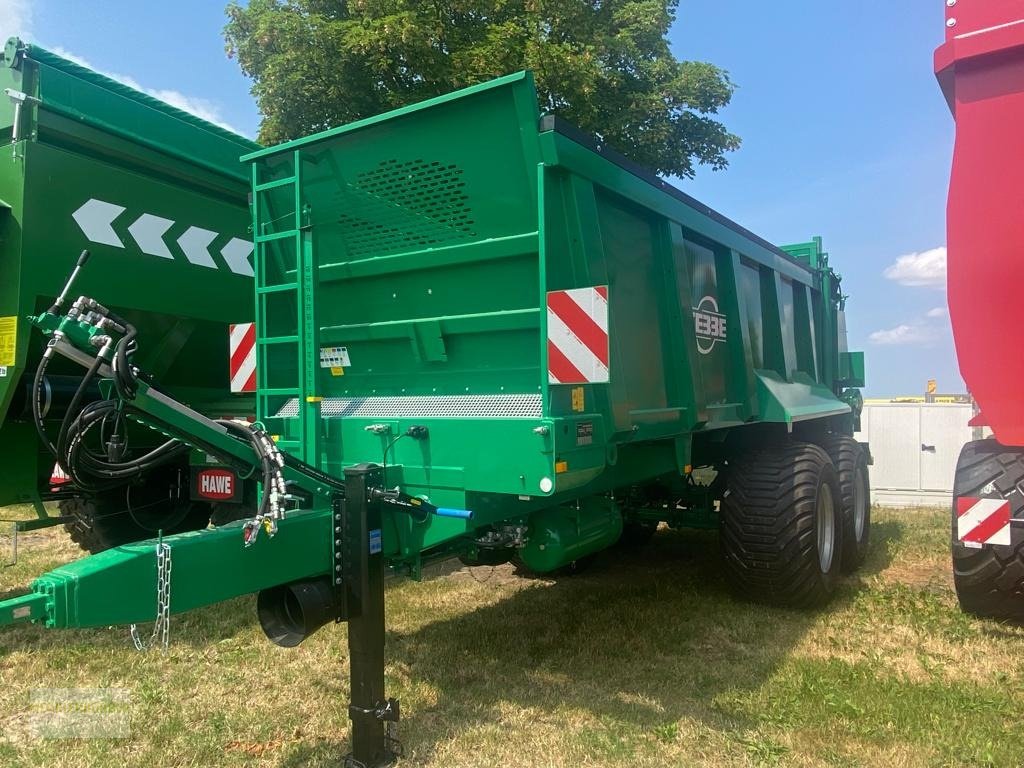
x=915, y=446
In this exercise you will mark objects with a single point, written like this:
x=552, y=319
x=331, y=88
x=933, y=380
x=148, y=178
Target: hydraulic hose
x=72, y=412
x=37, y=406
x=124, y=376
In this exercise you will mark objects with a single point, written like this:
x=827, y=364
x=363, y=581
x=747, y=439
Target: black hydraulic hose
x=308, y=469
x=83, y=463
x=93, y=415
x=37, y=408
x=70, y=450
x=124, y=378
x=267, y=463
x=72, y=412
x=77, y=433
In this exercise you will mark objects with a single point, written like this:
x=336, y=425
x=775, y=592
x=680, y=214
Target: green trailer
x=482, y=335
x=565, y=325
x=159, y=198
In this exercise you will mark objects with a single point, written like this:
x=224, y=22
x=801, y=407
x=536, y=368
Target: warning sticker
x=334, y=357
x=375, y=541
x=3, y=371
x=8, y=339
x=584, y=433
x=578, y=400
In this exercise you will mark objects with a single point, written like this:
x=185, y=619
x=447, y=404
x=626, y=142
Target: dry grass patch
x=644, y=660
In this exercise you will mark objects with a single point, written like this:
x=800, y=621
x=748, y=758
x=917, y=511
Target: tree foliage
x=604, y=65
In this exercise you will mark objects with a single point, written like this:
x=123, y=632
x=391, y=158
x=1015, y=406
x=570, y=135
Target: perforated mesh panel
x=493, y=406
x=405, y=206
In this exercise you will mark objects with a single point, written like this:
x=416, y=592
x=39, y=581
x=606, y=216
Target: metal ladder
x=302, y=288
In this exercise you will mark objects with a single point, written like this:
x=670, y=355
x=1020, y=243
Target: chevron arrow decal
x=195, y=244
x=94, y=219
x=148, y=231
x=236, y=254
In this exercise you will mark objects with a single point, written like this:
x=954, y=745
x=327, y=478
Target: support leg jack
x=374, y=716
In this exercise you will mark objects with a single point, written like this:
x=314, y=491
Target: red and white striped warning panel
x=578, y=335
x=58, y=476
x=982, y=521
x=243, y=357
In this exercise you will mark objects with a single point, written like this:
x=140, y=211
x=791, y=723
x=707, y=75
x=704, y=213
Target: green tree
x=604, y=65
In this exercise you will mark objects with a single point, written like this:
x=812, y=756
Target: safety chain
x=162, y=627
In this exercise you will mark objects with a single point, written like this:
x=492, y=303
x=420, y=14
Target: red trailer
x=981, y=70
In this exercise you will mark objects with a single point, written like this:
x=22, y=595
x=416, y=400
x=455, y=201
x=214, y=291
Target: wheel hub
x=826, y=514
x=860, y=504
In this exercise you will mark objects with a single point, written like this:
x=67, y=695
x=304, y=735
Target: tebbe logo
x=709, y=325
x=215, y=483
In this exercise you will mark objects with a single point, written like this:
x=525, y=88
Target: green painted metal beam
x=118, y=586
x=23, y=609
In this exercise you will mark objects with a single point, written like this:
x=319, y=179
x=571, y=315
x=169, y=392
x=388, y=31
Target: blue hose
x=462, y=514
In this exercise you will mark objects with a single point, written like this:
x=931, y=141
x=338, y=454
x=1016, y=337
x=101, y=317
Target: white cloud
x=917, y=334
x=15, y=18
x=202, y=108
x=924, y=268
x=922, y=331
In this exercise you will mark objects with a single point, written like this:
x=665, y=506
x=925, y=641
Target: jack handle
x=82, y=259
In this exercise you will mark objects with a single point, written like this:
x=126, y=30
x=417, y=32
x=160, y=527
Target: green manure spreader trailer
x=481, y=335
x=160, y=200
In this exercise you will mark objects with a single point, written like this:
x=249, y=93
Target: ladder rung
x=275, y=184
x=276, y=236
x=277, y=288
x=280, y=391
x=278, y=340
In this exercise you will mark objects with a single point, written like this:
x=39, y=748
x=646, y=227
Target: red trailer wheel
x=989, y=574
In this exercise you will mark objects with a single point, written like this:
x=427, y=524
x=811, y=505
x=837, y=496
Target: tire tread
x=990, y=581
x=768, y=525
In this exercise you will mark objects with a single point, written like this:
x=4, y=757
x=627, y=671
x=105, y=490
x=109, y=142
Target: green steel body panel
x=88, y=138
x=562, y=535
x=424, y=242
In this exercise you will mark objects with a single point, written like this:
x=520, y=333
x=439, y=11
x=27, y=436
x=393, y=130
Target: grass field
x=643, y=660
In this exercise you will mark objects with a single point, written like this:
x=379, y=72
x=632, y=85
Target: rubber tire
x=102, y=522
x=769, y=526
x=848, y=456
x=990, y=581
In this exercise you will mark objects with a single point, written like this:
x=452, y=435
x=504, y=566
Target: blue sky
x=845, y=134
